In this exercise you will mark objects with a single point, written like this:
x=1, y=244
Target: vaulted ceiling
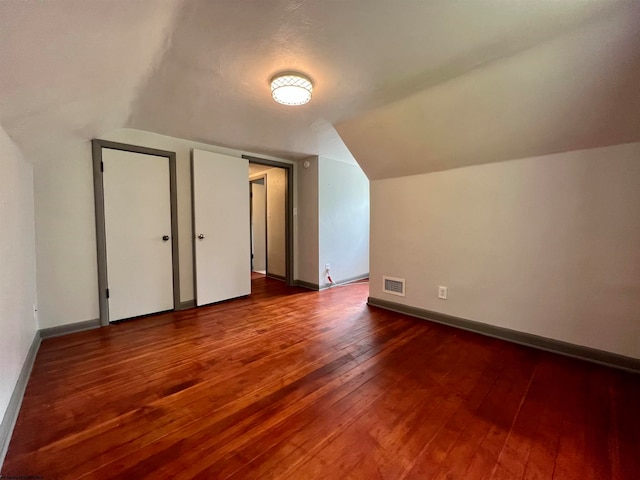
x=409, y=86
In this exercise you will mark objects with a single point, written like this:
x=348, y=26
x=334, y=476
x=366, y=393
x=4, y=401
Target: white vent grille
x=394, y=286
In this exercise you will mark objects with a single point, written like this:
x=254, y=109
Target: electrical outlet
x=327, y=266
x=442, y=292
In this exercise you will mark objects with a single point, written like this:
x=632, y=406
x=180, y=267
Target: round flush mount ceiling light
x=291, y=88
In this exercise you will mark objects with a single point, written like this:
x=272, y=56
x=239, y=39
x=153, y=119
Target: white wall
x=66, y=239
x=276, y=222
x=259, y=225
x=547, y=245
x=17, y=266
x=343, y=192
x=307, y=215
x=66, y=245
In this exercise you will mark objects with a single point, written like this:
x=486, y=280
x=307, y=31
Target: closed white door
x=137, y=207
x=259, y=225
x=221, y=227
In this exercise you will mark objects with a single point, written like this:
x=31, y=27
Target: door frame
x=101, y=240
x=288, y=219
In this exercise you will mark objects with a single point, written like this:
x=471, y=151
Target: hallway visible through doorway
x=269, y=218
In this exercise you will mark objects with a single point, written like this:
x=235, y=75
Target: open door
x=221, y=226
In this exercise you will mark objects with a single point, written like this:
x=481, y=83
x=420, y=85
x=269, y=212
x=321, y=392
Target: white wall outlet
x=327, y=266
x=442, y=292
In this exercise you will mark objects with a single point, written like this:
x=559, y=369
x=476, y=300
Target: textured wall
x=18, y=267
x=276, y=216
x=308, y=218
x=547, y=245
x=344, y=220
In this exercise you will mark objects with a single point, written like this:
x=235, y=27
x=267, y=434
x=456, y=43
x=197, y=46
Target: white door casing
x=137, y=208
x=222, y=250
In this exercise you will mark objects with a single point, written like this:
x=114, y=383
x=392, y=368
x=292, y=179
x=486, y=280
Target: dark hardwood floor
x=296, y=384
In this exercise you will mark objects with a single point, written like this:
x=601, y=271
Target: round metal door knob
x=165, y=238
x=201, y=236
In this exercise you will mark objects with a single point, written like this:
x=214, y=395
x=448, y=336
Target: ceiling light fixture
x=291, y=88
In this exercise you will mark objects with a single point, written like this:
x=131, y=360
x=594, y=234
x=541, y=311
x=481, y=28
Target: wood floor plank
x=361, y=373
x=291, y=389
x=291, y=383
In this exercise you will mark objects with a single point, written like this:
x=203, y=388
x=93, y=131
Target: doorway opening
x=271, y=218
x=258, y=214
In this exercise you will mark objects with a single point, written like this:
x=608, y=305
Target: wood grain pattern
x=291, y=383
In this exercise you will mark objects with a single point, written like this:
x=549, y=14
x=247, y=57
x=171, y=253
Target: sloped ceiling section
x=213, y=85
x=70, y=70
x=577, y=91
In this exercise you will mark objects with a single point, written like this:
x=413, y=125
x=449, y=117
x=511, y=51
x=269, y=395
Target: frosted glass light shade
x=291, y=89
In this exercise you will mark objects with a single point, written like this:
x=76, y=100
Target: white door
x=221, y=227
x=259, y=225
x=137, y=208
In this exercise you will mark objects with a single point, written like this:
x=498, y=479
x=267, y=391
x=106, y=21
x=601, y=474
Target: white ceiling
x=412, y=85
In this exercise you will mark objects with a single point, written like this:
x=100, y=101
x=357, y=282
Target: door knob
x=201, y=236
x=165, y=238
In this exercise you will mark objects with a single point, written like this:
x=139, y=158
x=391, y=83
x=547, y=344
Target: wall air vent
x=394, y=286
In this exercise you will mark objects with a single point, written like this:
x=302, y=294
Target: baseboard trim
x=315, y=286
x=187, y=305
x=13, y=409
x=70, y=328
x=276, y=277
x=530, y=340
x=346, y=281
x=309, y=285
